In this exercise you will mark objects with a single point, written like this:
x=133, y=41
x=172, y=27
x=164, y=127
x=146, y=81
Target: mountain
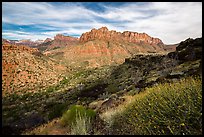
x=27, y=42
x=26, y=69
x=133, y=37
x=101, y=47
x=58, y=42
x=170, y=47
x=62, y=41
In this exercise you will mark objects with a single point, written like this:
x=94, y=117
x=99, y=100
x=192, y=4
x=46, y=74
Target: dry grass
x=109, y=114
x=82, y=126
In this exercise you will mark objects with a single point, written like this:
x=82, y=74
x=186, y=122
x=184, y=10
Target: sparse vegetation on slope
x=170, y=109
x=104, y=89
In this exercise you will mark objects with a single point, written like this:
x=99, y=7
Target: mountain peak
x=104, y=29
x=133, y=37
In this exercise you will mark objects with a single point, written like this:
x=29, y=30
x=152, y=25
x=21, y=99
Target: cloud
x=171, y=22
x=19, y=36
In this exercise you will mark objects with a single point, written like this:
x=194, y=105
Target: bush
x=82, y=125
x=57, y=111
x=71, y=116
x=170, y=109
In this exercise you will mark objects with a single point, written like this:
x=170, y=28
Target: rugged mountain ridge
x=101, y=47
x=104, y=34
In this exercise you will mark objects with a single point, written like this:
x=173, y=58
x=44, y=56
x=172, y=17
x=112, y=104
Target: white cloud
x=171, y=22
x=18, y=36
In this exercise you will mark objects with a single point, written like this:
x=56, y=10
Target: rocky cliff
x=103, y=47
x=127, y=36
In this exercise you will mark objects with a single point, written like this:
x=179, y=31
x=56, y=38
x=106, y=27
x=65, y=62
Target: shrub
x=71, y=116
x=57, y=111
x=170, y=109
x=82, y=125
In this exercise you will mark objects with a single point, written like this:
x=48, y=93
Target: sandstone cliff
x=103, y=47
x=127, y=36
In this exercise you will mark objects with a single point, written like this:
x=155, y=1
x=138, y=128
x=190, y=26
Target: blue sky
x=171, y=22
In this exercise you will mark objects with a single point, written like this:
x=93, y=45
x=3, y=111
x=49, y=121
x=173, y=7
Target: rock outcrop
x=188, y=50
x=127, y=36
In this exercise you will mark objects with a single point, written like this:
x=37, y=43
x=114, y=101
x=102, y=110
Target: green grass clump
x=82, y=125
x=71, y=116
x=169, y=109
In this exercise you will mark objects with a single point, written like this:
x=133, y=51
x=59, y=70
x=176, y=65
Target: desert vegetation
x=165, y=109
x=145, y=94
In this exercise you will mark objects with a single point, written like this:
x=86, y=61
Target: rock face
x=127, y=36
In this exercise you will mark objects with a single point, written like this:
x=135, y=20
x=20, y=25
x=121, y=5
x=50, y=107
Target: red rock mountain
x=127, y=36
x=103, y=47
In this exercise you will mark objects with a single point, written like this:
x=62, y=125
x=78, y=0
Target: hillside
x=101, y=88
x=25, y=69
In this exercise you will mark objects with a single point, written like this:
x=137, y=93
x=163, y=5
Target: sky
x=172, y=22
